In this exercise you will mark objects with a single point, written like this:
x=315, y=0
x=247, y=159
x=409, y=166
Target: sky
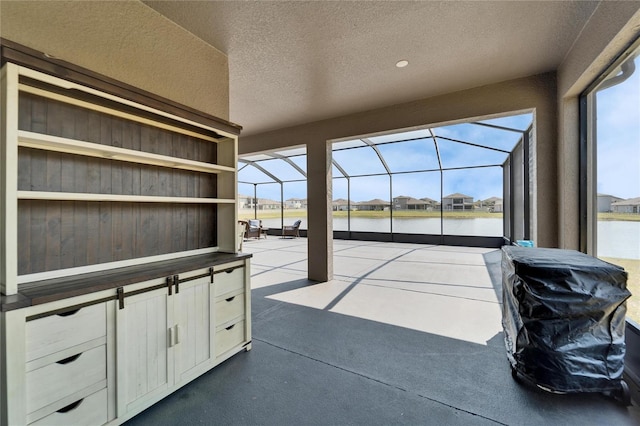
x=414, y=155
x=618, y=138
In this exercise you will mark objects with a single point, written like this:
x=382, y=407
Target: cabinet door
x=145, y=364
x=193, y=315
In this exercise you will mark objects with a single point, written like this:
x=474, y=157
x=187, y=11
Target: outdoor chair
x=292, y=231
x=253, y=228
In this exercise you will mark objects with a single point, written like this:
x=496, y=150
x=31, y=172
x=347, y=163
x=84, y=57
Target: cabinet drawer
x=57, y=332
x=228, y=281
x=227, y=338
x=65, y=377
x=91, y=410
x=228, y=309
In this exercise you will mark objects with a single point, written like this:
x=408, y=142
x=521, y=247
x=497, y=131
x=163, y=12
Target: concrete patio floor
x=403, y=334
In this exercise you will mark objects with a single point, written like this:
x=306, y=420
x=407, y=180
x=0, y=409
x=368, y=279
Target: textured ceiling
x=297, y=62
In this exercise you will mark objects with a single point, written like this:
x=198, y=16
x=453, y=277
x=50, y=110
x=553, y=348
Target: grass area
x=272, y=214
x=421, y=214
x=632, y=266
x=630, y=217
x=301, y=213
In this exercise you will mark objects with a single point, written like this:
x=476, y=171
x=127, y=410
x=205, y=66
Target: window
x=611, y=170
x=422, y=184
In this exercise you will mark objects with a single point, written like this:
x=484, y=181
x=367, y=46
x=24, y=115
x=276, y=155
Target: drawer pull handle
x=229, y=299
x=69, y=359
x=230, y=327
x=68, y=313
x=71, y=406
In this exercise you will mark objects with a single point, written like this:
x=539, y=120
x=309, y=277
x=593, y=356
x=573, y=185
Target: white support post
x=9, y=180
x=228, y=189
x=12, y=368
x=247, y=301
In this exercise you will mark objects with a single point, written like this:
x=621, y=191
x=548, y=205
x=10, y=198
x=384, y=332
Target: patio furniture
x=253, y=228
x=292, y=230
x=564, y=320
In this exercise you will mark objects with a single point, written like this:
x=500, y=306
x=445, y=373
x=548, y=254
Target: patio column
x=319, y=217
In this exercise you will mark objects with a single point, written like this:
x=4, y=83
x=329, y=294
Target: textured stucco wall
x=127, y=41
x=537, y=93
x=612, y=27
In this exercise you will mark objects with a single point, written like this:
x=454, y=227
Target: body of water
x=619, y=239
x=477, y=226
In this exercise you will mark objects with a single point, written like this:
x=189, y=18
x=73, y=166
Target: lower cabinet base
x=104, y=357
x=158, y=398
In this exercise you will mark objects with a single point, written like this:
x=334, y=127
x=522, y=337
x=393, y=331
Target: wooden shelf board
x=71, y=146
x=78, y=196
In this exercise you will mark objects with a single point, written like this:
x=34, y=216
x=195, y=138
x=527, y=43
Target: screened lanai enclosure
x=459, y=184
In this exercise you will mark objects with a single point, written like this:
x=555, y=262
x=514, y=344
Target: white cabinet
x=143, y=357
x=170, y=333
x=192, y=336
x=231, y=307
x=66, y=367
x=163, y=339
x=101, y=185
x=104, y=357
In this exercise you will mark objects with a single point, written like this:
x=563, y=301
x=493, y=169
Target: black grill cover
x=564, y=318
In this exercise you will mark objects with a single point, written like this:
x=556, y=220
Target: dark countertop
x=38, y=292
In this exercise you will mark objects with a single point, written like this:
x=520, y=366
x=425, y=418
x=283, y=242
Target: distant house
x=295, y=203
x=493, y=204
x=375, y=204
x=605, y=202
x=632, y=205
x=431, y=204
x=340, y=204
x=404, y=202
x=400, y=202
x=245, y=201
x=267, y=204
x=248, y=202
x=491, y=201
x=457, y=201
x=421, y=204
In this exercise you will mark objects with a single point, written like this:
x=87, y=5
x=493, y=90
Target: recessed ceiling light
x=401, y=64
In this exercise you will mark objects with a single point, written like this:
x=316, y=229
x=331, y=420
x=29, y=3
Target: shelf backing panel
x=51, y=117
x=68, y=234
